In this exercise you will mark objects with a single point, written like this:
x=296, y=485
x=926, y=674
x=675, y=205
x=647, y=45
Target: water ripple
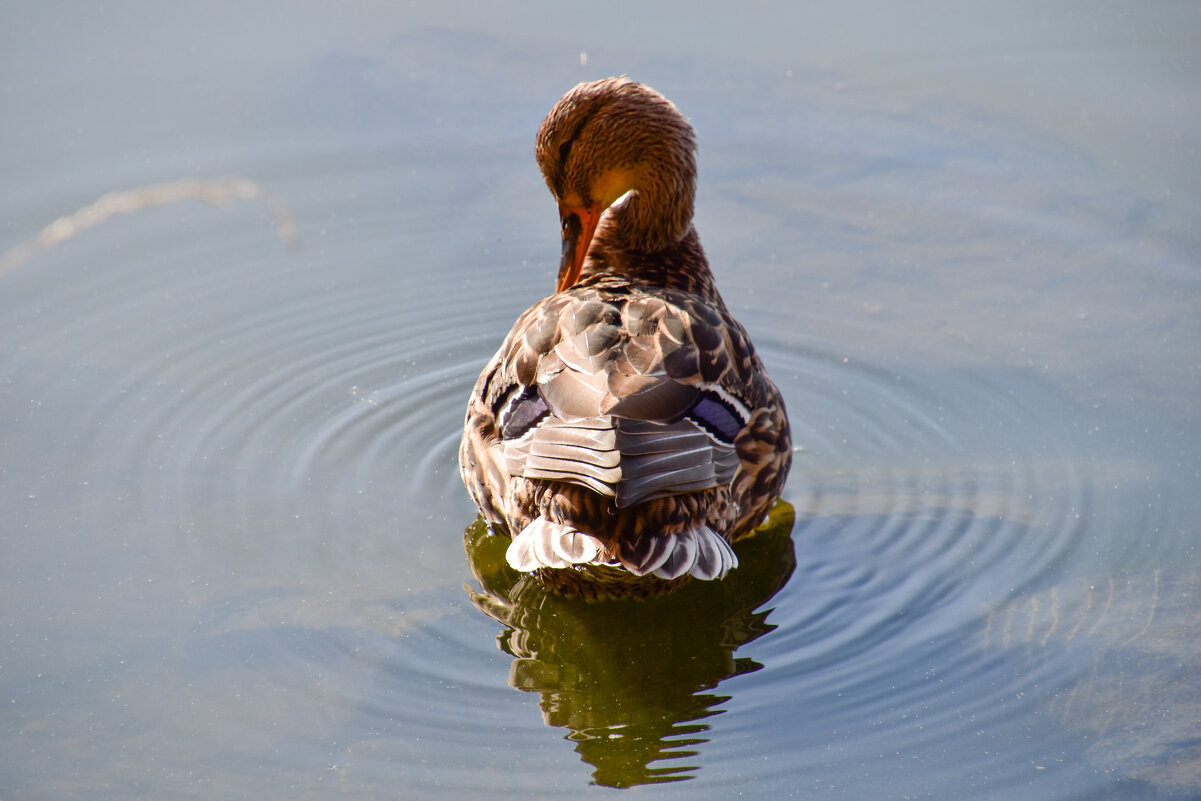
x=292, y=444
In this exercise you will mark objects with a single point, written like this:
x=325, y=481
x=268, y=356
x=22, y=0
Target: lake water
x=236, y=558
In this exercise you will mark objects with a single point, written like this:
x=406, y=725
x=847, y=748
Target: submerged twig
x=214, y=191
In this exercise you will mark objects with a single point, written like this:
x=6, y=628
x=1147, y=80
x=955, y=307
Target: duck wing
x=631, y=395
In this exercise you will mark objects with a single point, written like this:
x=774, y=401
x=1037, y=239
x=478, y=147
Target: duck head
x=620, y=150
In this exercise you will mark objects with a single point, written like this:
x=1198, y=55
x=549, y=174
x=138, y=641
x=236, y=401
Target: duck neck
x=679, y=263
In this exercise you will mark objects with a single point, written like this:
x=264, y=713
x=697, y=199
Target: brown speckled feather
x=626, y=423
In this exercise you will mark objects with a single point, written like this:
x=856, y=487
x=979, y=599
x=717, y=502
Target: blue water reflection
x=231, y=547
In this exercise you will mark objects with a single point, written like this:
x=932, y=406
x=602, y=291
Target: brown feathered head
x=614, y=140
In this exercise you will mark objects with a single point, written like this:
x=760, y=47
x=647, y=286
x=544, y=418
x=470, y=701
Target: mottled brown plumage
x=625, y=431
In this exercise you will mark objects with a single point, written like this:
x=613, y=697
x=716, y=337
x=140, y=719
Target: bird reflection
x=630, y=679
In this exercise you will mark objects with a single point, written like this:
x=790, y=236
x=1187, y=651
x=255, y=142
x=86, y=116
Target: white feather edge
x=699, y=551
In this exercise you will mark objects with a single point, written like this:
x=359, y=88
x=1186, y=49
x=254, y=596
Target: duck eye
x=564, y=151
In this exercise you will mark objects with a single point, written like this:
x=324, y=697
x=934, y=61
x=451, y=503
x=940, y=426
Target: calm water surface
x=236, y=559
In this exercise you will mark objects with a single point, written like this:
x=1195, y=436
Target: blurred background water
x=963, y=236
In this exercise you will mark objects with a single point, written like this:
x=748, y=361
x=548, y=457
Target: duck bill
x=579, y=224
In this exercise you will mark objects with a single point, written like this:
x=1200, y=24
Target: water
x=232, y=547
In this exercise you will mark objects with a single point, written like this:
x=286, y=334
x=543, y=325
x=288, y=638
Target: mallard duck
x=625, y=431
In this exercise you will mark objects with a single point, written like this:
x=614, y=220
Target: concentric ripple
x=916, y=511
x=238, y=524
x=278, y=448
x=292, y=443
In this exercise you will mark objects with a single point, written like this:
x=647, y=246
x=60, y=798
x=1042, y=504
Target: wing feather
x=635, y=398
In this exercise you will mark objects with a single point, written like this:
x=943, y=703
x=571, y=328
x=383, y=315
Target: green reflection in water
x=629, y=679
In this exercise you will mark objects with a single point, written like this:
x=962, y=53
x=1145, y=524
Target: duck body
x=625, y=432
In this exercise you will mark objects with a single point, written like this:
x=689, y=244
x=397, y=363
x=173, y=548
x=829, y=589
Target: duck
x=626, y=432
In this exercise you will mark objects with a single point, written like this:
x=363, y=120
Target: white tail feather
x=714, y=556
x=682, y=557
x=699, y=551
x=546, y=544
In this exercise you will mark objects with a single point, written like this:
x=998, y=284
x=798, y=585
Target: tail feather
x=700, y=552
x=546, y=544
x=714, y=556
x=649, y=555
x=681, y=559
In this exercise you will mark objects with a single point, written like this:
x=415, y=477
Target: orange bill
x=579, y=224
